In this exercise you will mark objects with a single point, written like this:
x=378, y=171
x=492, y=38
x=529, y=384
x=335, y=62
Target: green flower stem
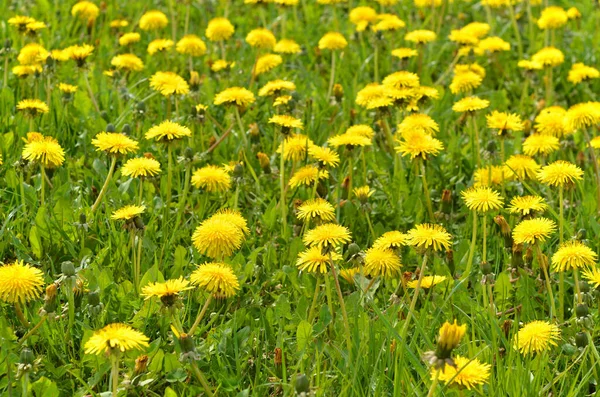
x=513, y=20
x=331, y=75
x=90, y=92
x=477, y=156
x=42, y=182
x=184, y=194
x=111, y=170
x=32, y=330
x=313, y=305
x=282, y=204
x=202, y=379
x=434, y=384
x=114, y=373
x=141, y=190
x=342, y=305
x=413, y=302
x=542, y=262
x=25, y=384
x=577, y=289
x=169, y=174
x=376, y=61
x=350, y=175
x=484, y=227
x=467, y=272
x=548, y=85
x=329, y=297
x=200, y=315
x=22, y=191
x=426, y=190
x=21, y=316
x=561, y=276
x=241, y=126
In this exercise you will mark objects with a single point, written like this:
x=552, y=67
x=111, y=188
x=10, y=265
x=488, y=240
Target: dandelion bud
x=581, y=339
x=449, y=338
x=238, y=171
x=277, y=360
x=486, y=268
x=254, y=132
x=187, y=343
x=26, y=357
x=126, y=129
x=264, y=162
x=50, y=62
x=82, y=218
x=582, y=310
x=195, y=80
x=352, y=250
x=302, y=384
x=584, y=287
x=138, y=223
x=105, y=117
x=93, y=298
x=67, y=268
x=110, y=127
x=338, y=92
x=141, y=364
x=581, y=159
x=446, y=201
x=504, y=230
x=7, y=44
x=529, y=257
x=491, y=146
x=188, y=153
x=581, y=234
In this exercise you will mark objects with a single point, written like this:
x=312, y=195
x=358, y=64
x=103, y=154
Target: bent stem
x=201, y=379
x=111, y=170
x=542, y=262
x=426, y=190
x=200, y=315
x=471, y=249
x=342, y=305
x=20, y=315
x=32, y=330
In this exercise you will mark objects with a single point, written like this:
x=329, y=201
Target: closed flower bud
x=67, y=268
x=195, y=80
x=449, y=338
x=338, y=92
x=26, y=357
x=582, y=310
x=264, y=162
x=141, y=364
x=517, y=256
x=581, y=339
x=126, y=129
x=110, y=127
x=302, y=384
x=93, y=298
x=450, y=261
x=187, y=343
x=446, y=201
x=504, y=230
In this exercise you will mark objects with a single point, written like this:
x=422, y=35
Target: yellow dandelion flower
x=465, y=82
x=85, y=10
x=465, y=373
x=191, y=45
x=115, y=143
x=316, y=209
x=115, y=337
x=275, y=87
x=328, y=235
x=420, y=36
x=80, y=53
x=20, y=22
x=381, y=262
x=266, y=63
x=27, y=70
x=295, y=147
x=536, y=337
x=401, y=79
x=417, y=143
x=552, y=18
x=235, y=95
x=67, y=88
x=169, y=83
x=313, y=260
x=427, y=282
x=217, y=238
x=540, y=144
x=582, y=115
x=532, y=231
x=212, y=179
x=482, y=199
x=127, y=62
x=333, y=41
x=418, y=121
x=490, y=175
x=470, y=104
x=129, y=38
x=573, y=13
x=362, y=130
x=159, y=45
x=153, y=20
x=592, y=275
x=168, y=131
x=20, y=282
x=33, y=107
x=141, y=167
x=168, y=292
x=46, y=151
x=119, y=23
x=491, y=45
x=374, y=96
x=128, y=212
x=552, y=121
x=404, y=53
x=580, y=72
x=503, y=122
x=573, y=255
x=287, y=46
x=217, y=279
x=287, y=121
x=363, y=192
x=324, y=156
x=530, y=65
x=560, y=173
x=549, y=56
x=348, y=274
x=232, y=216
x=391, y=240
x=219, y=29
x=349, y=140
x=521, y=166
x=261, y=38
x=527, y=205
x=388, y=22
x=32, y=54
x=307, y=175
x=427, y=235
x=361, y=17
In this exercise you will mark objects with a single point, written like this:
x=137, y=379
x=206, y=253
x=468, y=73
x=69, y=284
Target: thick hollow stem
x=90, y=92
x=42, y=183
x=20, y=315
x=114, y=374
x=313, y=305
x=282, y=204
x=595, y=166
x=484, y=226
x=426, y=191
x=342, y=305
x=200, y=315
x=331, y=75
x=169, y=173
x=413, y=302
x=471, y=248
x=111, y=170
x=202, y=379
x=476, y=138
x=542, y=262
